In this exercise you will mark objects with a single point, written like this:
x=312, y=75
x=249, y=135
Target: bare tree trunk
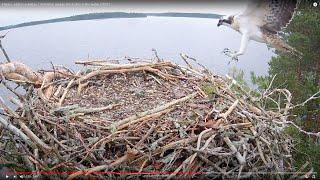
x=318, y=72
x=299, y=72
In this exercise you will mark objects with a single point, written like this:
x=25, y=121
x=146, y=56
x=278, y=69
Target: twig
x=145, y=118
x=313, y=97
x=184, y=58
x=156, y=55
x=240, y=158
x=16, y=132
x=129, y=155
x=229, y=111
x=65, y=92
x=157, y=109
x=145, y=136
x=2, y=48
x=317, y=134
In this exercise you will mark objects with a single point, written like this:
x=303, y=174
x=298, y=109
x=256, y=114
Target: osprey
x=261, y=22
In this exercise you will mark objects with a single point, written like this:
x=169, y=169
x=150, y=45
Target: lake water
x=65, y=42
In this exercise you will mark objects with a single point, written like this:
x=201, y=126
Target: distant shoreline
x=110, y=15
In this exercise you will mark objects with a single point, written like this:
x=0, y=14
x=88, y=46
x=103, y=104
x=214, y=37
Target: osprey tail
x=277, y=42
x=286, y=48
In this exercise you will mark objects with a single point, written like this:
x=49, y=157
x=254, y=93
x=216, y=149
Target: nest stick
x=16, y=132
x=145, y=118
x=117, y=124
x=240, y=158
x=229, y=111
x=129, y=155
x=4, y=51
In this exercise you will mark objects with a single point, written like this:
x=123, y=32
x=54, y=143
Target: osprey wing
x=271, y=14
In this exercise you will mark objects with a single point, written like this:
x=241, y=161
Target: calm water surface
x=65, y=42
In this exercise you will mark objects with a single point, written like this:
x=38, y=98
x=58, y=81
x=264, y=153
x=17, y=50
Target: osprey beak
x=220, y=23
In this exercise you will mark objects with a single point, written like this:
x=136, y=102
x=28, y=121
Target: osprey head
x=226, y=20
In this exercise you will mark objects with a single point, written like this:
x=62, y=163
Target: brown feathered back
x=273, y=14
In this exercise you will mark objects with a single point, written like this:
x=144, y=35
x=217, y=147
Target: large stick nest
x=153, y=119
